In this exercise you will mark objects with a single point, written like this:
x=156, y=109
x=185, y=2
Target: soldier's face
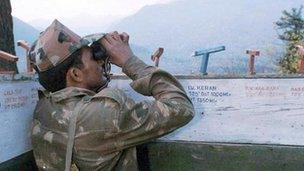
x=92, y=71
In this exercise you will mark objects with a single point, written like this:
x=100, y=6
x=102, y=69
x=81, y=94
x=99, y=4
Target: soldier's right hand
x=117, y=47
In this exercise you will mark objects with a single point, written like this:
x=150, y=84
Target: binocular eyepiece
x=99, y=52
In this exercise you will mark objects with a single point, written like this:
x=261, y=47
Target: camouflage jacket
x=110, y=124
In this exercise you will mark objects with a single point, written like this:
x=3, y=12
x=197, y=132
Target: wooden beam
x=7, y=72
x=252, y=54
x=157, y=54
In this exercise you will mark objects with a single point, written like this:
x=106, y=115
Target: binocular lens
x=99, y=53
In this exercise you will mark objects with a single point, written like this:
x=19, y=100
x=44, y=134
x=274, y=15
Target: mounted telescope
x=205, y=57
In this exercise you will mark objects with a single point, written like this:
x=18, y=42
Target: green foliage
x=291, y=31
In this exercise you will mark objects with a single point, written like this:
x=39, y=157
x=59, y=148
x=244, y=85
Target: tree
x=6, y=34
x=291, y=31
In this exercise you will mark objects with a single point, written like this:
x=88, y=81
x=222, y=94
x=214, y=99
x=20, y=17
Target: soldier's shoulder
x=102, y=105
x=115, y=94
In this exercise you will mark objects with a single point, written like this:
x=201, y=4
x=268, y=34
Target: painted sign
x=17, y=103
x=266, y=111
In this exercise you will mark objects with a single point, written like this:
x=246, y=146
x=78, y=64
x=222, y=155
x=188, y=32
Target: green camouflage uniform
x=111, y=124
x=108, y=125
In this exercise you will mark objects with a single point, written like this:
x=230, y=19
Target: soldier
x=81, y=123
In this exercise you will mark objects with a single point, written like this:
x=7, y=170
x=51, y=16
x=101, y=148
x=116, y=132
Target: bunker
x=241, y=123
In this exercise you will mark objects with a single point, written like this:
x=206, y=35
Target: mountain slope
x=187, y=25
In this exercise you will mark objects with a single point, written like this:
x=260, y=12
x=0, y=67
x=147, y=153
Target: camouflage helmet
x=56, y=44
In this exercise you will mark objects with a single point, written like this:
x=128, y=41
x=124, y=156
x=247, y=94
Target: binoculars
x=99, y=52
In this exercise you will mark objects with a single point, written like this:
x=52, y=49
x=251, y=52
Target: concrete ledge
x=24, y=162
x=182, y=156
x=34, y=77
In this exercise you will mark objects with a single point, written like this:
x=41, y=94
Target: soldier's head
x=63, y=59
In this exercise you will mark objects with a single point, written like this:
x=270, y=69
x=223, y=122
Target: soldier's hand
x=117, y=47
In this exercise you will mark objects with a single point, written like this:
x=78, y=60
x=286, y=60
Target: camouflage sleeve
x=126, y=123
x=146, y=120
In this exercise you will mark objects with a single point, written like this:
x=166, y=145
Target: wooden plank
x=180, y=156
x=24, y=161
x=7, y=72
x=8, y=57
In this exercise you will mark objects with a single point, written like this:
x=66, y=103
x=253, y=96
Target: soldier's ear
x=75, y=75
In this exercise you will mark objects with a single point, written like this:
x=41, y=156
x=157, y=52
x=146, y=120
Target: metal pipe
x=8, y=57
x=156, y=56
x=252, y=54
x=211, y=50
x=251, y=65
x=25, y=45
x=7, y=72
x=205, y=57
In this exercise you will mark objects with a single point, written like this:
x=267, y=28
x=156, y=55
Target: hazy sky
x=28, y=10
x=73, y=12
